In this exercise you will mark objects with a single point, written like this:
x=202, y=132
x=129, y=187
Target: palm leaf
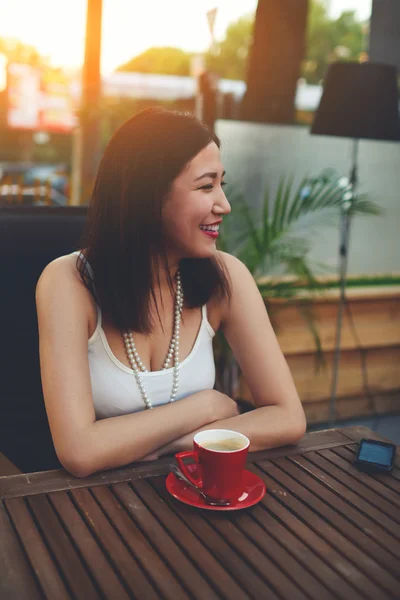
x=279, y=243
x=265, y=219
x=362, y=206
x=285, y=203
x=306, y=187
x=327, y=196
x=277, y=206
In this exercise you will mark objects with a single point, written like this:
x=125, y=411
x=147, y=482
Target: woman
x=126, y=326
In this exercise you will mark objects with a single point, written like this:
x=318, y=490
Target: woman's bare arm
x=266, y=427
x=279, y=416
x=83, y=444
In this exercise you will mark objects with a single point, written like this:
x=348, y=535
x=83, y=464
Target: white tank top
x=114, y=388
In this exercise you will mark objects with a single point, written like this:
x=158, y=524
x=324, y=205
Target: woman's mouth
x=210, y=230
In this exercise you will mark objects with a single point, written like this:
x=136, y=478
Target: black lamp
x=360, y=101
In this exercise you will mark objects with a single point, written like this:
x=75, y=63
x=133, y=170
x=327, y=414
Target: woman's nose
x=222, y=206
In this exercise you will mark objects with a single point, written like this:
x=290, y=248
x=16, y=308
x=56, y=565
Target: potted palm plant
x=275, y=245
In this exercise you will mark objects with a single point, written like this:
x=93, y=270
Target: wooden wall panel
x=383, y=370
x=377, y=323
x=348, y=408
x=376, y=318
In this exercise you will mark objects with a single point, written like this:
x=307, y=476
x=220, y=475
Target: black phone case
x=372, y=466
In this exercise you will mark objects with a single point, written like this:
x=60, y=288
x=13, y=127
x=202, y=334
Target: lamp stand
x=345, y=221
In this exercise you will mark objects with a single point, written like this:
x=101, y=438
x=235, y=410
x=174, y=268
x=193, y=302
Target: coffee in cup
x=223, y=445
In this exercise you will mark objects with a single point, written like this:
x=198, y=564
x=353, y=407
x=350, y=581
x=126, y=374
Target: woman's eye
x=210, y=186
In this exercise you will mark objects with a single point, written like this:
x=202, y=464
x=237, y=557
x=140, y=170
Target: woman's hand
x=223, y=407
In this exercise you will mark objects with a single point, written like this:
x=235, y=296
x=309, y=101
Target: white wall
x=255, y=155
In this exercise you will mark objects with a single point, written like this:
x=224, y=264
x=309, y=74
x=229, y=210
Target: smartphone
x=373, y=455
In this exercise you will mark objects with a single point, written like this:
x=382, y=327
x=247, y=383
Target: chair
x=30, y=238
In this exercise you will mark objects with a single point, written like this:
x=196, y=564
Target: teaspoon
x=178, y=473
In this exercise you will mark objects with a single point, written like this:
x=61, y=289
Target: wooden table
x=324, y=531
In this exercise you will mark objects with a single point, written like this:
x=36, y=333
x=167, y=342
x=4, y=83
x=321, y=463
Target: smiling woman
x=126, y=324
x=195, y=202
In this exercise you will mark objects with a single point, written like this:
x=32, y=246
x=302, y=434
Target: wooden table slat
x=321, y=496
x=170, y=515
x=396, y=468
x=102, y=570
x=51, y=582
x=259, y=531
x=341, y=545
x=350, y=520
x=16, y=576
x=347, y=563
x=331, y=477
x=62, y=548
x=358, y=482
x=343, y=458
x=54, y=481
x=59, y=480
x=396, y=473
x=275, y=575
x=268, y=571
x=193, y=580
x=111, y=543
x=218, y=546
x=324, y=531
x=303, y=543
x=140, y=547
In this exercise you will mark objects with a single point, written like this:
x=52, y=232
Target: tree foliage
x=163, y=61
x=327, y=40
x=330, y=40
x=17, y=51
x=229, y=57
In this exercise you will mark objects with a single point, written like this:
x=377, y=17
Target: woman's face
x=195, y=206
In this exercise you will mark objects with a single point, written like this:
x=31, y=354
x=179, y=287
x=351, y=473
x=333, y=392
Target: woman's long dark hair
x=124, y=238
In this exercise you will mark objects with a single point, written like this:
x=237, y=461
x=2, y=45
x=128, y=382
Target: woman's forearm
x=266, y=427
x=118, y=441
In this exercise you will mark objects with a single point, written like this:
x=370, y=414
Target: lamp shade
x=360, y=101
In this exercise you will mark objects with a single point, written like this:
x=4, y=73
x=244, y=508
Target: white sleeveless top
x=114, y=388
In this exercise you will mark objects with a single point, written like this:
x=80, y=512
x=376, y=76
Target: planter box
x=369, y=373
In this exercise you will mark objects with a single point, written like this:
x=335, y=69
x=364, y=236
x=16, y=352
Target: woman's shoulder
x=60, y=281
x=234, y=266
x=60, y=269
x=61, y=291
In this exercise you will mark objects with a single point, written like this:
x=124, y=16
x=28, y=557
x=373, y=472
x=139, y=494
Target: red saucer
x=254, y=491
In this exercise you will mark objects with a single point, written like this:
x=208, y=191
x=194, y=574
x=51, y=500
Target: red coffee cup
x=220, y=456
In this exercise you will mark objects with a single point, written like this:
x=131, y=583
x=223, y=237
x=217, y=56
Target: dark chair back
x=30, y=238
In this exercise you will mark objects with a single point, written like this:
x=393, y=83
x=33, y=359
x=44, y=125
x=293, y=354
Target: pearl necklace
x=173, y=350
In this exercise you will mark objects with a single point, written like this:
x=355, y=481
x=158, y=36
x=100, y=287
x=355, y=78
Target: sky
x=56, y=28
